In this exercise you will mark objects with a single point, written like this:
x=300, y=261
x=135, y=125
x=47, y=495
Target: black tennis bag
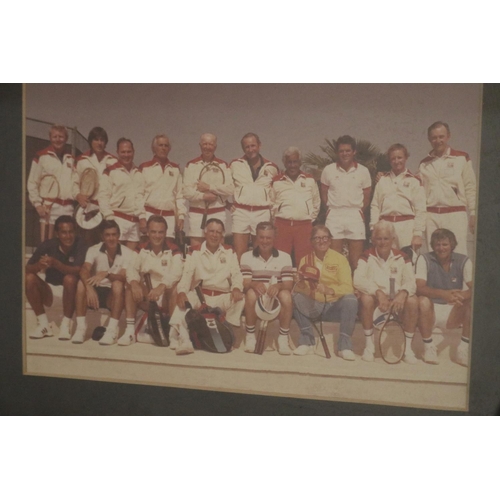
x=208, y=329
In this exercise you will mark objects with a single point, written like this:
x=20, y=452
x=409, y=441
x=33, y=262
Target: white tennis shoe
x=41, y=332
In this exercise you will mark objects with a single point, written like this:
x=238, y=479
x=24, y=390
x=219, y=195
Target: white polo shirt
x=165, y=267
x=218, y=271
x=345, y=189
x=254, y=267
x=97, y=257
x=373, y=273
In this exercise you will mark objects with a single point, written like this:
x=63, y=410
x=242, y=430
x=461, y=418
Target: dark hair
x=347, y=139
x=443, y=234
x=123, y=139
x=64, y=219
x=109, y=224
x=217, y=221
x=97, y=133
x=157, y=218
x=436, y=125
x=248, y=135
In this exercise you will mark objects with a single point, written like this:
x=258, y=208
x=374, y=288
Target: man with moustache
x=120, y=193
x=203, y=197
x=162, y=181
x=252, y=176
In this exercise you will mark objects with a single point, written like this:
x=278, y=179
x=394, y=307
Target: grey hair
x=384, y=224
x=292, y=150
x=159, y=136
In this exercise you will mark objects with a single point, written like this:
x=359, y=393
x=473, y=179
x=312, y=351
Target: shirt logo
x=394, y=270
x=303, y=184
x=71, y=259
x=449, y=164
x=171, y=173
x=453, y=280
x=333, y=268
x=223, y=260
x=164, y=262
x=406, y=184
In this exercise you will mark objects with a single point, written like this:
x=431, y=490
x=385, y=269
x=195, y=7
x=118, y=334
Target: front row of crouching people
x=436, y=293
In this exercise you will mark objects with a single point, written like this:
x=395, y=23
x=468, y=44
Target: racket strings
x=392, y=342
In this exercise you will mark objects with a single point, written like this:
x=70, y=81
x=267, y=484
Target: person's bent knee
x=116, y=287
x=424, y=304
x=367, y=300
x=70, y=280
x=31, y=280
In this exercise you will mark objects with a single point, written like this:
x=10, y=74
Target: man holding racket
x=216, y=267
x=207, y=184
x=94, y=161
x=102, y=282
x=120, y=193
x=376, y=267
x=328, y=294
x=162, y=260
x=252, y=176
x=258, y=266
x=50, y=180
x=60, y=258
x=444, y=289
x=162, y=188
x=345, y=189
x=296, y=204
x=450, y=187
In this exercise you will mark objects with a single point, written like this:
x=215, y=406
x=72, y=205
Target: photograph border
x=68, y=396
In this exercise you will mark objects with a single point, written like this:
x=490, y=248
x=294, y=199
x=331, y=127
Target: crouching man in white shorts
x=444, y=286
x=163, y=261
x=216, y=266
x=102, y=282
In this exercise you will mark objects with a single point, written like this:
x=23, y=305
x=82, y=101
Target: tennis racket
x=392, y=336
x=303, y=296
x=157, y=324
x=214, y=175
x=49, y=191
x=89, y=182
x=262, y=333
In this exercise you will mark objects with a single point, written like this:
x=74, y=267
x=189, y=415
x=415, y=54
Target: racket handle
x=325, y=347
x=147, y=279
x=261, y=338
x=204, y=219
x=392, y=288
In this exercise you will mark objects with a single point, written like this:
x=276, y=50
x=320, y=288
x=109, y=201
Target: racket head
x=392, y=341
x=304, y=300
x=89, y=182
x=212, y=174
x=49, y=189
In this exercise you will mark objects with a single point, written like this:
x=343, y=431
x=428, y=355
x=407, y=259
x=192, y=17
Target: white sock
x=65, y=322
x=112, y=324
x=80, y=321
x=130, y=325
x=464, y=343
x=408, y=338
x=369, y=339
x=42, y=320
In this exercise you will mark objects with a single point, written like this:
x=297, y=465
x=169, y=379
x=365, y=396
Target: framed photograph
x=283, y=115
